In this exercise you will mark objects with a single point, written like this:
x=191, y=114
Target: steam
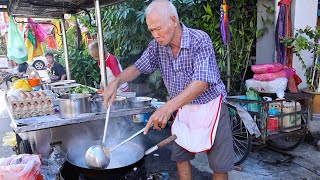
x=83, y=135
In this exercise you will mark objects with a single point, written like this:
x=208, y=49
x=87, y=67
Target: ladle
x=97, y=155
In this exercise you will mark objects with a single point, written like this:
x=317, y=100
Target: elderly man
x=188, y=66
x=113, y=67
x=57, y=70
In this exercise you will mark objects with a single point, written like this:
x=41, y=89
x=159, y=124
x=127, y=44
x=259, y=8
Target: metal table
x=50, y=121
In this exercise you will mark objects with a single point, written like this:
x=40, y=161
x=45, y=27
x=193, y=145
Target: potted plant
x=308, y=39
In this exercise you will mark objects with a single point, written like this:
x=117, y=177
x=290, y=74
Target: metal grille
x=52, y=8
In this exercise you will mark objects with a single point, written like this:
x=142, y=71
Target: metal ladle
x=98, y=156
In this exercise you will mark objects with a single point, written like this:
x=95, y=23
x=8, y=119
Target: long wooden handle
x=160, y=144
x=167, y=141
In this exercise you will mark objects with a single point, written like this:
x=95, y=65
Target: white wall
x=266, y=44
x=304, y=14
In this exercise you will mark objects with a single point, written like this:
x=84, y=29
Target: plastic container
x=139, y=118
x=273, y=123
x=34, y=82
x=288, y=120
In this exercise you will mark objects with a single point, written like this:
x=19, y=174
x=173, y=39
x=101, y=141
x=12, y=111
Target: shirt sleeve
x=205, y=65
x=113, y=64
x=60, y=70
x=149, y=60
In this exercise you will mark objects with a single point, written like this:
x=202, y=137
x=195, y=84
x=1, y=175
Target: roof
x=52, y=8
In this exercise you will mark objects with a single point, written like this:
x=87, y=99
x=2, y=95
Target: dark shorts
x=221, y=157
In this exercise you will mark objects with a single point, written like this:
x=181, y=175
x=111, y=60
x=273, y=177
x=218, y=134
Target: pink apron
x=196, y=125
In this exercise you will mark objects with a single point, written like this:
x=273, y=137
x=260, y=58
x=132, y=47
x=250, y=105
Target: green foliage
x=126, y=34
x=307, y=40
x=243, y=29
x=83, y=67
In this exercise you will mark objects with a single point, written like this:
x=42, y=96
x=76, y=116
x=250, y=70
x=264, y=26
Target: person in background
x=191, y=75
x=27, y=70
x=57, y=70
x=113, y=67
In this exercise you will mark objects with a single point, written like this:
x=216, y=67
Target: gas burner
x=158, y=176
x=136, y=171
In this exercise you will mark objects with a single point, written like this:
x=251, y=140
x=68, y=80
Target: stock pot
x=72, y=105
x=97, y=105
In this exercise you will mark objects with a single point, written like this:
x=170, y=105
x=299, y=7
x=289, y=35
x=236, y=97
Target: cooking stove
x=136, y=171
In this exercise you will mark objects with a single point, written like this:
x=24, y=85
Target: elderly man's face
x=161, y=28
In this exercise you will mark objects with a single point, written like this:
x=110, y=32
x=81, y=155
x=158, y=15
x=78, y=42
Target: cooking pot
x=98, y=106
x=139, y=102
x=72, y=105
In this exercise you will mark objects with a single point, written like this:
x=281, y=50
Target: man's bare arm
x=160, y=118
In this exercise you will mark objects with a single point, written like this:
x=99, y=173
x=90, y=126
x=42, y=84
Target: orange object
x=100, y=91
x=34, y=82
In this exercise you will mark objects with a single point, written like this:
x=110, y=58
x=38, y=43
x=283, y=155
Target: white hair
x=94, y=47
x=163, y=7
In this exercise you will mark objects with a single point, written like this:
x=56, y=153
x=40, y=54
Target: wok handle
x=161, y=144
x=166, y=141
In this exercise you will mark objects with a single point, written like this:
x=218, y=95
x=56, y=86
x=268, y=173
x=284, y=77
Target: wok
x=125, y=155
x=120, y=159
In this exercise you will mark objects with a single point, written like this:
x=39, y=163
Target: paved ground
x=301, y=163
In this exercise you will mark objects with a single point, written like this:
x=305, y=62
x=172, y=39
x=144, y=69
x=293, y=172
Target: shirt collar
x=185, y=38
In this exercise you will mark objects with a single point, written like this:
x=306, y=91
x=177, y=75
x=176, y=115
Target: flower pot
x=316, y=101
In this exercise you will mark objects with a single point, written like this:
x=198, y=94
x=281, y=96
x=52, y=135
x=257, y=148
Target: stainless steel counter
x=50, y=121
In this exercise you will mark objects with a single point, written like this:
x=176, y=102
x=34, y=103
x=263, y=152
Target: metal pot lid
x=74, y=96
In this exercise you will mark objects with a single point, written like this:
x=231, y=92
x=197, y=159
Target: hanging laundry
x=51, y=42
x=57, y=33
x=35, y=35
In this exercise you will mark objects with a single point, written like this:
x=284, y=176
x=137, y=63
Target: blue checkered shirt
x=195, y=61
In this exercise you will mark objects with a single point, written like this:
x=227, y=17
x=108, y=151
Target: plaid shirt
x=196, y=61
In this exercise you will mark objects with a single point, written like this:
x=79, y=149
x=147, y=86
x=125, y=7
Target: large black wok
x=125, y=155
x=121, y=159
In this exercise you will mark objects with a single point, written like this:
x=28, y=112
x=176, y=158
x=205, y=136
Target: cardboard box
x=288, y=120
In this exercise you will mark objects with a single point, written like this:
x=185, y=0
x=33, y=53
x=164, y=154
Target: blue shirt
x=195, y=61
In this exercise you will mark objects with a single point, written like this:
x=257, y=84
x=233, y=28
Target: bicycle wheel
x=287, y=142
x=242, y=140
x=290, y=141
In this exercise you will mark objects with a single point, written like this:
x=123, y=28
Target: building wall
x=303, y=14
x=265, y=44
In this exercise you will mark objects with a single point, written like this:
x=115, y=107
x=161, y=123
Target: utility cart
x=281, y=124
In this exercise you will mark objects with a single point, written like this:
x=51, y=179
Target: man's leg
x=184, y=170
x=221, y=156
x=220, y=176
x=182, y=157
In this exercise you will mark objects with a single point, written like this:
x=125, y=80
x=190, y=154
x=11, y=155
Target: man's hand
x=110, y=93
x=159, y=118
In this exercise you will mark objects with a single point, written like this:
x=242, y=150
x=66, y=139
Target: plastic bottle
x=58, y=155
